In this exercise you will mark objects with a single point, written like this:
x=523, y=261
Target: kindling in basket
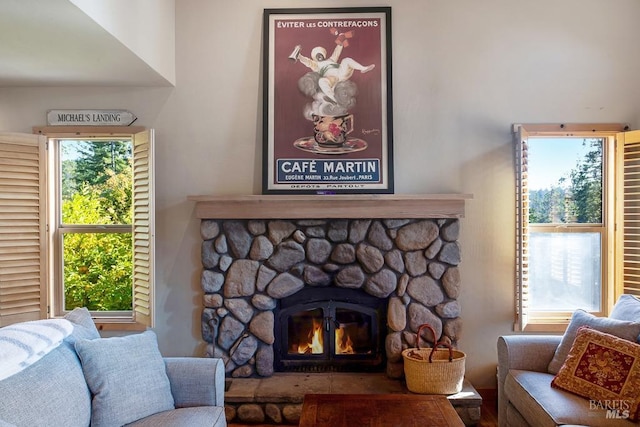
x=433, y=370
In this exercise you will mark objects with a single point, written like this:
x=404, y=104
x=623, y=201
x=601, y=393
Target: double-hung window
x=569, y=202
x=92, y=235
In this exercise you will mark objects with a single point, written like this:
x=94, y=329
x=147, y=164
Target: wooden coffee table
x=378, y=410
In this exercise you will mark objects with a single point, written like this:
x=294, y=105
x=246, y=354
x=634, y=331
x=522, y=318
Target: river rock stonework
x=250, y=265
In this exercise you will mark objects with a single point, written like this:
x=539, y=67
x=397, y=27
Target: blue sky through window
x=553, y=158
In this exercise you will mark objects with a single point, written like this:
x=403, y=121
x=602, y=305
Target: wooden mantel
x=331, y=206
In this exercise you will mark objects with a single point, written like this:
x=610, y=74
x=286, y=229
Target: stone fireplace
x=334, y=282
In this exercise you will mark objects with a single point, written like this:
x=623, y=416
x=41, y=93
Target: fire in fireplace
x=329, y=329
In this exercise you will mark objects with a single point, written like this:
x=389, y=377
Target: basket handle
x=433, y=332
x=444, y=344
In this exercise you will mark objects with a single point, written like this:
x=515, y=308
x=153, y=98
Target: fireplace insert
x=330, y=329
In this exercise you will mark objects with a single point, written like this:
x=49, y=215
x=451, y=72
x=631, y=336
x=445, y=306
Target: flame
x=315, y=346
x=343, y=345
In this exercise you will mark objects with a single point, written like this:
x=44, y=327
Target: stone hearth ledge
x=343, y=206
x=278, y=399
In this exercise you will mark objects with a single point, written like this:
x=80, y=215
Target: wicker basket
x=433, y=370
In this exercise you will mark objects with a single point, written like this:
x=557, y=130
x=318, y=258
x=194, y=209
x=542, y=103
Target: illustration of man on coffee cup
x=333, y=94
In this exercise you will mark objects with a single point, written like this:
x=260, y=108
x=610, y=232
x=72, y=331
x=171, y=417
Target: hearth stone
x=278, y=400
x=249, y=266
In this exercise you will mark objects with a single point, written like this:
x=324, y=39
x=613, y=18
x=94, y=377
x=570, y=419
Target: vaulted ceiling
x=54, y=43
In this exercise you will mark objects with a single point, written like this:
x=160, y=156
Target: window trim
x=525, y=319
x=142, y=315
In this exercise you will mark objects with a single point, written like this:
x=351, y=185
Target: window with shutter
x=522, y=230
x=22, y=228
x=96, y=196
x=565, y=220
x=628, y=214
x=143, y=227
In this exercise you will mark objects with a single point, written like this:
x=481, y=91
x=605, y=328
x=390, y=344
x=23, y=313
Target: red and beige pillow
x=602, y=367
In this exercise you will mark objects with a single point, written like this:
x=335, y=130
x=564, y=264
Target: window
x=567, y=246
x=97, y=248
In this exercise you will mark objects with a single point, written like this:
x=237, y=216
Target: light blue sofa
x=60, y=390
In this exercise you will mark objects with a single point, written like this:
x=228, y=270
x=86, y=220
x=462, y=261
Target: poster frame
x=363, y=163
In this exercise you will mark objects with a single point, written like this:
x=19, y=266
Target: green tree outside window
x=96, y=190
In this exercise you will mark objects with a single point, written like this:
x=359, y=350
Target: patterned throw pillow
x=603, y=368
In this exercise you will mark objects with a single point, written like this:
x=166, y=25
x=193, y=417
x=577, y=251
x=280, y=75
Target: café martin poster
x=327, y=101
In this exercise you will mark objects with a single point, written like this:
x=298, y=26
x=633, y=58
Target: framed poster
x=327, y=123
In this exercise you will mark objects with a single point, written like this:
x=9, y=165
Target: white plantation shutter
x=143, y=228
x=628, y=213
x=22, y=228
x=522, y=229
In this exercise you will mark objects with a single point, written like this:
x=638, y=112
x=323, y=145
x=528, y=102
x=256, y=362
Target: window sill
x=545, y=327
x=118, y=325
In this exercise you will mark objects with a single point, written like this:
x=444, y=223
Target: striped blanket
x=25, y=343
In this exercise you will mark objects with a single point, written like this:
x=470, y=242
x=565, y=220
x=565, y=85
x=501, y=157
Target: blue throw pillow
x=83, y=325
x=620, y=328
x=627, y=308
x=127, y=377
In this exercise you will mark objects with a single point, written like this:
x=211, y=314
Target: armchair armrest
x=196, y=381
x=523, y=352
x=527, y=352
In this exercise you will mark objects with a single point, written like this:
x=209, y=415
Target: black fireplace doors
x=329, y=329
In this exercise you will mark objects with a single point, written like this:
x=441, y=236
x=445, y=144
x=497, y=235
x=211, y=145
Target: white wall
x=463, y=72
